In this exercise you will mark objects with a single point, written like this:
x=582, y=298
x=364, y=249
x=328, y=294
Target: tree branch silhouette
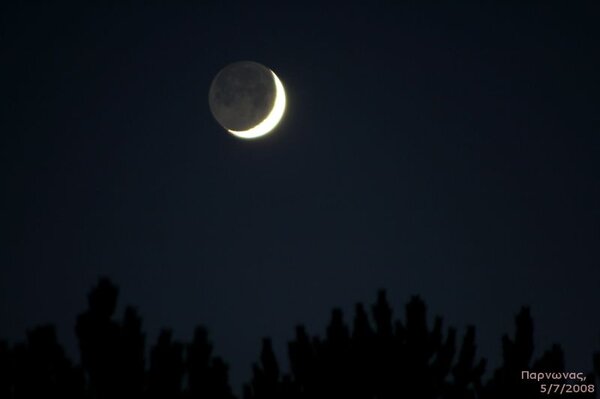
x=376, y=356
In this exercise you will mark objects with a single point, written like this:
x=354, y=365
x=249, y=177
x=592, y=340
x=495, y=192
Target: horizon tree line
x=376, y=357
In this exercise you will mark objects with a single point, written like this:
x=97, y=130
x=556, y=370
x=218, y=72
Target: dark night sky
x=450, y=152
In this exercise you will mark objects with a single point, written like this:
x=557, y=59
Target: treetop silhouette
x=376, y=356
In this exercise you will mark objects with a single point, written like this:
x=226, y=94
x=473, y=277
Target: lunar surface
x=247, y=99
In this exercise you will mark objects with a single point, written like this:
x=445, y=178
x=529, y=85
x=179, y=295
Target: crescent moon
x=271, y=121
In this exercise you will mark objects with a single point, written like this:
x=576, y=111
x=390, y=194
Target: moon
x=247, y=99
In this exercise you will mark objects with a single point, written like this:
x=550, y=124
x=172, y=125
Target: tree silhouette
x=390, y=360
x=376, y=357
x=207, y=376
x=166, y=367
x=99, y=341
x=39, y=368
x=112, y=356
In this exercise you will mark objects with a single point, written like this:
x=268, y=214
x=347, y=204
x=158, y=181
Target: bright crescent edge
x=271, y=121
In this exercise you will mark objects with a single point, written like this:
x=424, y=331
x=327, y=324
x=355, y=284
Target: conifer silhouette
x=375, y=356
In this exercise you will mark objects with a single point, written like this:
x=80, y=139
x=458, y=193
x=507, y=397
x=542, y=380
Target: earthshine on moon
x=247, y=99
